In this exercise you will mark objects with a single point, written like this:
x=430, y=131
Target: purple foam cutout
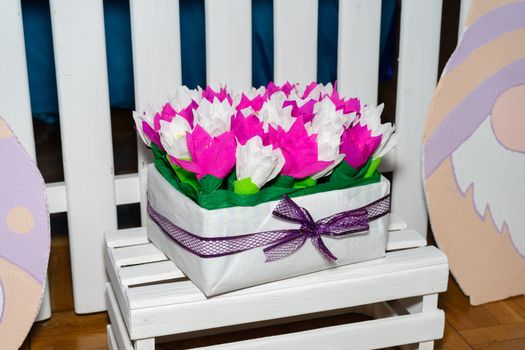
x=21, y=184
x=468, y=115
x=487, y=28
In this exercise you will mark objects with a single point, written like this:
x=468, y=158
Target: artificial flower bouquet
x=254, y=186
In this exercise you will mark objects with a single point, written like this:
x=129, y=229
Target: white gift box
x=222, y=274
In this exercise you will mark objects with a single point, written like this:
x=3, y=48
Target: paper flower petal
x=299, y=150
x=173, y=137
x=209, y=155
x=358, y=145
x=214, y=117
x=244, y=128
x=258, y=162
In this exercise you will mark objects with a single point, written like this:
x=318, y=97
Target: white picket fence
x=91, y=191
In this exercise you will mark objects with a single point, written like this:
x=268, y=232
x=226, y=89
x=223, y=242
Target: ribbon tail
x=284, y=247
x=318, y=242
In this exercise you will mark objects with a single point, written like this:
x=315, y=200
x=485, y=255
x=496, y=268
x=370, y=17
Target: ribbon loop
x=336, y=225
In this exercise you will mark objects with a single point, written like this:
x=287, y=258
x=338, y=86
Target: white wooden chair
x=91, y=191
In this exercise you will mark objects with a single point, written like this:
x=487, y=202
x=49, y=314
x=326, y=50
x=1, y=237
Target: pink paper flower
x=152, y=134
x=209, y=155
x=358, y=145
x=187, y=113
x=286, y=88
x=221, y=95
x=167, y=114
x=305, y=110
x=244, y=128
x=309, y=88
x=144, y=126
x=299, y=150
x=348, y=106
x=255, y=103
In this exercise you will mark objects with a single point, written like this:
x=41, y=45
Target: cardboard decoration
x=24, y=240
x=474, y=154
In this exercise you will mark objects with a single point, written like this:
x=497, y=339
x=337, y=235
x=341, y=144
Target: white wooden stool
x=149, y=298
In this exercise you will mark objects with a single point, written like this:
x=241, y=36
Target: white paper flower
x=272, y=113
x=251, y=93
x=183, y=97
x=146, y=116
x=371, y=117
x=257, y=162
x=214, y=117
x=328, y=125
x=318, y=91
x=173, y=137
x=326, y=117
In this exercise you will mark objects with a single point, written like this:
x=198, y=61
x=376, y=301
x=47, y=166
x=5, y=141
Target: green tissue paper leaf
x=186, y=177
x=373, y=167
x=215, y=193
x=284, y=181
x=210, y=183
x=304, y=183
x=245, y=186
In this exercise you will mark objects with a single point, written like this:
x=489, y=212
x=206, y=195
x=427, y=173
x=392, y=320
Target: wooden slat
x=147, y=273
x=112, y=343
x=45, y=306
x=360, y=335
x=119, y=290
x=163, y=294
x=404, y=239
x=279, y=299
x=117, y=324
x=126, y=192
x=127, y=237
x=358, y=49
x=144, y=344
x=56, y=197
x=136, y=254
x=83, y=96
x=396, y=223
x=229, y=43
x=295, y=40
x=15, y=107
x=148, y=296
x=417, y=73
x=393, y=262
x=463, y=13
x=155, y=32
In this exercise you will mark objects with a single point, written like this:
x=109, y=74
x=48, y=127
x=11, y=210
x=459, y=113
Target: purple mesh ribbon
x=279, y=243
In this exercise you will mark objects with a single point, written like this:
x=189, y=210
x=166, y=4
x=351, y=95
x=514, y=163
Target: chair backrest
x=91, y=191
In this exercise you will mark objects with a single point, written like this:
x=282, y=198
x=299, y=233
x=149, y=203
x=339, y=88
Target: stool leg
x=429, y=303
x=144, y=344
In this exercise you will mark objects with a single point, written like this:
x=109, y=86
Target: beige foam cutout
x=20, y=220
x=5, y=132
x=485, y=262
x=23, y=294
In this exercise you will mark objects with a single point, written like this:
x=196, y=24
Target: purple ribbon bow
x=280, y=243
x=336, y=225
